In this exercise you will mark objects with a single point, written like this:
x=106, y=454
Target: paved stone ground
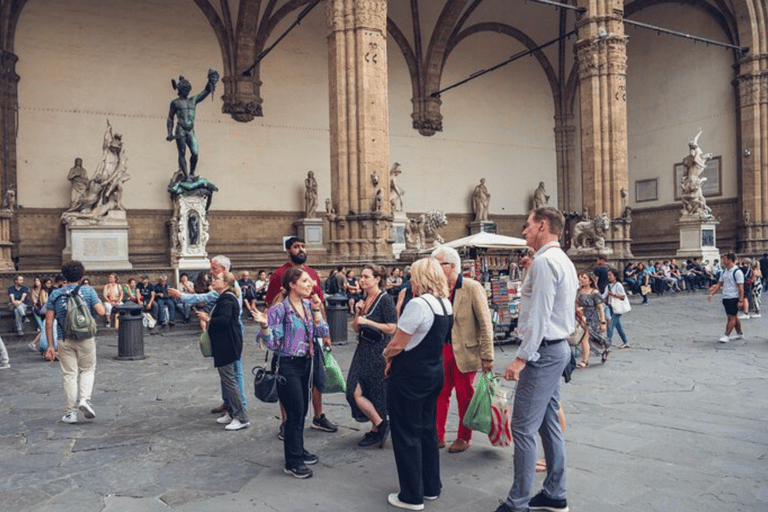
x=676, y=423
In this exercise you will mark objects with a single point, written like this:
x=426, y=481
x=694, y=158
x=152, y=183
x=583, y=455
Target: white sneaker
x=237, y=425
x=724, y=339
x=755, y=315
x=735, y=337
x=88, y=411
x=70, y=417
x=743, y=316
x=224, y=419
x=395, y=502
x=5, y=366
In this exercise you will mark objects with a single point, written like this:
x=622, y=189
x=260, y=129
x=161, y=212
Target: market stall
x=491, y=259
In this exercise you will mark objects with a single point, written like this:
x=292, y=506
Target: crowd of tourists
x=422, y=334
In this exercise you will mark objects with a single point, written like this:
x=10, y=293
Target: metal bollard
x=130, y=334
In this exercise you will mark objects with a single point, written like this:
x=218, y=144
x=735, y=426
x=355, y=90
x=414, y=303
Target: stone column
x=565, y=143
x=8, y=99
x=9, y=81
x=359, y=125
x=752, y=84
x=601, y=58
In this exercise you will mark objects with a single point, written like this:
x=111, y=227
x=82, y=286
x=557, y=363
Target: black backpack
x=331, y=285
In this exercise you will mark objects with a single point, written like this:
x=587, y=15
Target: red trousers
x=454, y=378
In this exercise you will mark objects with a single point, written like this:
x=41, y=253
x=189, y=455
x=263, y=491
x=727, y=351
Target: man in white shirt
x=732, y=283
x=546, y=319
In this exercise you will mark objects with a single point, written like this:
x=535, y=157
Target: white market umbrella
x=485, y=240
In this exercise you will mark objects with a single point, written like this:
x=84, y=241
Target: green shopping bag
x=334, y=382
x=478, y=415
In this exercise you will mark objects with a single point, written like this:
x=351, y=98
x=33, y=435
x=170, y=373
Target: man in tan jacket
x=469, y=348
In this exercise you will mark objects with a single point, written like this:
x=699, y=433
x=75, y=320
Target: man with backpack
x=72, y=307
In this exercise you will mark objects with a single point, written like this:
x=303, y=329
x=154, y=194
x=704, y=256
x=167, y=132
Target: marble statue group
x=93, y=198
x=694, y=203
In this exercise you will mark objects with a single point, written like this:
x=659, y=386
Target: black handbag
x=318, y=367
x=265, y=381
x=370, y=334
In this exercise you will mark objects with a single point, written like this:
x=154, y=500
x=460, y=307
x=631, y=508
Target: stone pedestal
x=398, y=233
x=189, y=233
x=697, y=238
x=99, y=243
x=311, y=230
x=481, y=226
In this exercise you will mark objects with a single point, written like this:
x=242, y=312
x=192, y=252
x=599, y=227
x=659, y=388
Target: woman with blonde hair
x=414, y=361
x=226, y=337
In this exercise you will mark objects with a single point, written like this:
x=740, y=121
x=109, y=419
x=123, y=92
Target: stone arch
x=519, y=36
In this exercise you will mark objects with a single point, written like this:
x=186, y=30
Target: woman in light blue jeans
x=616, y=291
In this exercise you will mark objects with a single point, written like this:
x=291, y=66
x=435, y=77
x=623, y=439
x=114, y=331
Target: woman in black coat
x=227, y=346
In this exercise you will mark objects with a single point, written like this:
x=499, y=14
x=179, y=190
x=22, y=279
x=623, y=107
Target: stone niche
x=189, y=233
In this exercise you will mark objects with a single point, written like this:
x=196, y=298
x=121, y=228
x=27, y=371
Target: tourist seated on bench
x=17, y=296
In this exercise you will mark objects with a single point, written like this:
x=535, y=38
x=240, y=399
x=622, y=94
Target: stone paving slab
x=675, y=423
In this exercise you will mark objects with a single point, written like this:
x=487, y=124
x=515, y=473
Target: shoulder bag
x=265, y=380
x=370, y=334
x=205, y=340
x=619, y=306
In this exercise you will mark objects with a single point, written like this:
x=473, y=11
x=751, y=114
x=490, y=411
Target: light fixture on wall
x=747, y=152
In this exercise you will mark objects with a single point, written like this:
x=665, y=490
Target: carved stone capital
x=241, y=98
x=753, y=89
x=426, y=115
x=601, y=55
x=8, y=62
x=367, y=14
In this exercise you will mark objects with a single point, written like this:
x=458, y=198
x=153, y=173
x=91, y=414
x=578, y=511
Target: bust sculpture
x=183, y=109
x=694, y=203
x=310, y=195
x=540, y=197
x=480, y=201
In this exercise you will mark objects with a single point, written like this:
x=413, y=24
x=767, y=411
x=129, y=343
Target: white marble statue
x=396, y=193
x=310, y=196
x=590, y=234
x=480, y=201
x=540, y=197
x=105, y=190
x=694, y=203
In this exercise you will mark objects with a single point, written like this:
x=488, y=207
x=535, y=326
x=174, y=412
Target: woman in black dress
x=375, y=322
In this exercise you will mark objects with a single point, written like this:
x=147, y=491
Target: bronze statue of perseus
x=183, y=108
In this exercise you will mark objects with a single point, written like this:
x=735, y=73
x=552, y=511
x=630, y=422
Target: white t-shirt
x=731, y=278
x=417, y=317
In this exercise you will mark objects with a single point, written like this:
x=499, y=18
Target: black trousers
x=294, y=396
x=412, y=414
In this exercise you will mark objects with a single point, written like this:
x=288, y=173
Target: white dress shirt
x=547, y=302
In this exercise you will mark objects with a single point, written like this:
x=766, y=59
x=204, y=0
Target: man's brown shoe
x=219, y=410
x=441, y=443
x=458, y=445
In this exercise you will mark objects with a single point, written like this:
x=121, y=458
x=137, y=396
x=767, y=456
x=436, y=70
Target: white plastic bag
x=501, y=420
